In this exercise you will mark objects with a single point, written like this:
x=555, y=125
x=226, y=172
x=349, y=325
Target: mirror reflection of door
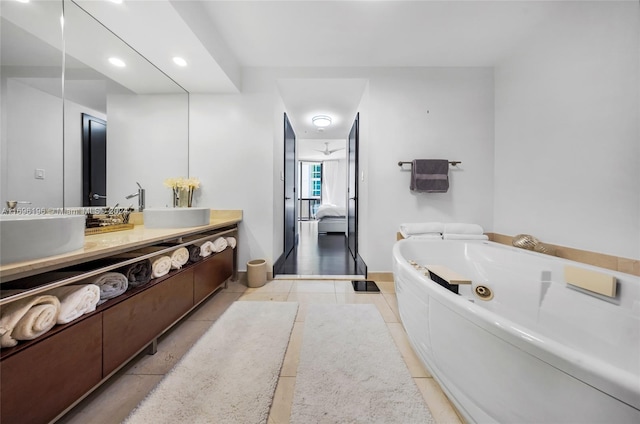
x=94, y=161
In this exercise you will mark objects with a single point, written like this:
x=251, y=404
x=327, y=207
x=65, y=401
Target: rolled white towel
x=179, y=257
x=160, y=266
x=27, y=319
x=410, y=229
x=427, y=237
x=206, y=249
x=465, y=237
x=231, y=241
x=111, y=284
x=75, y=300
x=219, y=244
x=461, y=228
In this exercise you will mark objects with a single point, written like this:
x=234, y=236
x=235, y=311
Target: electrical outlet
x=39, y=174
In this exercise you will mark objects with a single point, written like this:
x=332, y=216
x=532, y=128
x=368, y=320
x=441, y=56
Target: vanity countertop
x=101, y=245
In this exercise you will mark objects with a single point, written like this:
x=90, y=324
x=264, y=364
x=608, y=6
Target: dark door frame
x=290, y=231
x=353, y=155
x=94, y=161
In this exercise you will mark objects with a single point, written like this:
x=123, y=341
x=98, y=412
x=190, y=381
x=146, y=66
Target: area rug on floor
x=230, y=374
x=350, y=371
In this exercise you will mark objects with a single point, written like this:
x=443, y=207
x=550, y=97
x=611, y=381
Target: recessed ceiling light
x=321, y=121
x=117, y=62
x=179, y=61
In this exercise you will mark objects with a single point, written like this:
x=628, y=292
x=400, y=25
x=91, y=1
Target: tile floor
x=113, y=401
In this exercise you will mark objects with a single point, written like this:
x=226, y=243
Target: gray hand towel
x=430, y=176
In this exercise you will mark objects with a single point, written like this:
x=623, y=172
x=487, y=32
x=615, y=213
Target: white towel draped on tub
x=27, y=319
x=219, y=244
x=160, y=266
x=413, y=229
x=111, y=284
x=206, y=249
x=461, y=231
x=179, y=257
x=231, y=241
x=75, y=300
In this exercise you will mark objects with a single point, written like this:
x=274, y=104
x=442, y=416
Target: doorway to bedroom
x=321, y=189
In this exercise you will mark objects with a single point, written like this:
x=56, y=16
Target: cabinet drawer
x=47, y=377
x=210, y=273
x=134, y=323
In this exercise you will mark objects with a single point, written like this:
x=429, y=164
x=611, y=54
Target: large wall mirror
x=85, y=136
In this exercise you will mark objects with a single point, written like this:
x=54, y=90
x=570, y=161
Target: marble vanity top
x=101, y=245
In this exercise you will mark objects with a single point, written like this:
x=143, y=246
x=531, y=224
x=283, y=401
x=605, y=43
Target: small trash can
x=256, y=273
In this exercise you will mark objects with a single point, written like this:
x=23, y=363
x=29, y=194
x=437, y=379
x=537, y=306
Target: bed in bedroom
x=331, y=219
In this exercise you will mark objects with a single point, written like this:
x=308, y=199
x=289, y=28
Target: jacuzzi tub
x=539, y=351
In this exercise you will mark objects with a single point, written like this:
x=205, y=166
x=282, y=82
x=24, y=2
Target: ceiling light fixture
x=321, y=121
x=117, y=1
x=179, y=61
x=22, y=1
x=117, y=62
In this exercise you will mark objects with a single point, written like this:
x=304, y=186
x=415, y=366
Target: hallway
x=319, y=254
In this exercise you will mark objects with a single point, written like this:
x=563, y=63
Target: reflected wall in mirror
x=146, y=115
x=31, y=152
x=146, y=112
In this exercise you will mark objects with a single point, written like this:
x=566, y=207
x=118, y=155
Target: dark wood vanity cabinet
x=41, y=379
x=39, y=382
x=133, y=323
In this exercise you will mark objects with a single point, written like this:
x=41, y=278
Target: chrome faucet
x=140, y=195
x=12, y=205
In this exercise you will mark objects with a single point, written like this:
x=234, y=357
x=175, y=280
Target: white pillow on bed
x=328, y=210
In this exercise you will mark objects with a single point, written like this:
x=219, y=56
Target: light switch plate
x=39, y=174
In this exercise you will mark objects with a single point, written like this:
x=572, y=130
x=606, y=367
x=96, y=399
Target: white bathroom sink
x=176, y=217
x=28, y=237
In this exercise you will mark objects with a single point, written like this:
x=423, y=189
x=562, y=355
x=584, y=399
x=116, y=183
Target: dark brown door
x=94, y=161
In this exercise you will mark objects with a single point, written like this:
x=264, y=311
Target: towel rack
x=451, y=162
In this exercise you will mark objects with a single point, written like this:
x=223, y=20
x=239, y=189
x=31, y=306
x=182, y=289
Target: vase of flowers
x=183, y=189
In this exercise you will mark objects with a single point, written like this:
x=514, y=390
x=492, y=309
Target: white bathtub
x=538, y=352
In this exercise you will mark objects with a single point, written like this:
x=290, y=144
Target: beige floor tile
x=307, y=286
x=392, y=301
x=305, y=299
x=278, y=297
x=171, y=347
x=212, y=308
x=113, y=401
x=283, y=398
x=292, y=357
x=416, y=369
x=273, y=286
x=235, y=286
x=386, y=286
x=439, y=405
x=343, y=286
x=373, y=298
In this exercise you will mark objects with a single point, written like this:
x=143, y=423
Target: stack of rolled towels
x=33, y=316
x=138, y=273
x=439, y=230
x=218, y=245
x=111, y=284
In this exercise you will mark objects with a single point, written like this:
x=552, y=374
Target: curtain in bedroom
x=334, y=182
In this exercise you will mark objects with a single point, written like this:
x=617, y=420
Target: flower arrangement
x=184, y=186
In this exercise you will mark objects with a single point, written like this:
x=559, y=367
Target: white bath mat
x=350, y=371
x=230, y=374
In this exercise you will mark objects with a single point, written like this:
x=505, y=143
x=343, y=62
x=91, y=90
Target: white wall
x=567, y=151
x=236, y=150
x=33, y=140
x=436, y=113
x=147, y=142
x=73, y=151
x=232, y=152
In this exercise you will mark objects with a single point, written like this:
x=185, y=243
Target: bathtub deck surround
x=520, y=308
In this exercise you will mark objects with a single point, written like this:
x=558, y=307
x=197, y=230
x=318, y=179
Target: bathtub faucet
x=140, y=194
